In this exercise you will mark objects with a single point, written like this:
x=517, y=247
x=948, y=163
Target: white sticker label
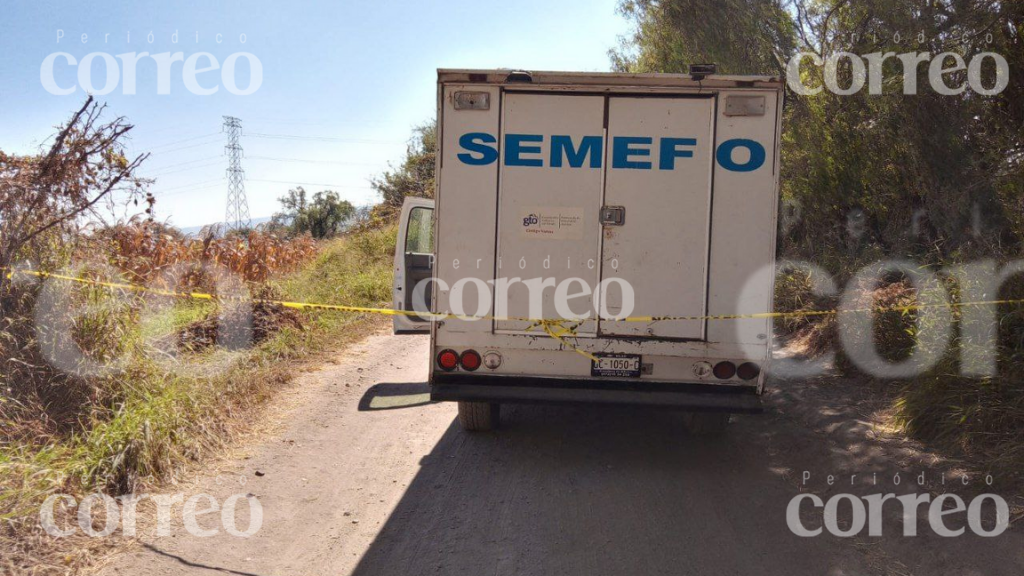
x=552, y=223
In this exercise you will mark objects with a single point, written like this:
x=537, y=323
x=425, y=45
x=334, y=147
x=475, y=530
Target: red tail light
x=725, y=370
x=748, y=371
x=448, y=360
x=470, y=360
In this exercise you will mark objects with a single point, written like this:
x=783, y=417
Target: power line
x=183, y=141
x=187, y=147
x=186, y=169
x=162, y=190
x=188, y=163
x=323, y=138
x=207, y=162
x=217, y=184
x=314, y=161
x=176, y=164
x=345, y=186
x=283, y=121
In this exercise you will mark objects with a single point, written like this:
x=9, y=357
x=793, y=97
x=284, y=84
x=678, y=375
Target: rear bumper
x=533, y=390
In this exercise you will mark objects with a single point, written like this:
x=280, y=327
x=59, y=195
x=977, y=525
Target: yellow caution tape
x=559, y=329
x=541, y=323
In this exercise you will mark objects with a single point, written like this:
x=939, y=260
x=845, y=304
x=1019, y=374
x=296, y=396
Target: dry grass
x=145, y=250
x=140, y=426
x=980, y=419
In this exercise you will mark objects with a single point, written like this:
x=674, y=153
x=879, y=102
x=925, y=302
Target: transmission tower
x=238, y=206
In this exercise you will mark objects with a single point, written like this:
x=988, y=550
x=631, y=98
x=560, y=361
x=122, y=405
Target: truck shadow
x=395, y=396
x=615, y=490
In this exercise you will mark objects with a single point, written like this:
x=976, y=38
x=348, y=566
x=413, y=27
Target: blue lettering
x=525, y=150
x=476, y=143
x=621, y=152
x=670, y=151
x=562, y=145
x=514, y=149
x=724, y=155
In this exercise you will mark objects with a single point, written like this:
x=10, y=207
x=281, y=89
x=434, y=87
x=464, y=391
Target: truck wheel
x=706, y=424
x=478, y=416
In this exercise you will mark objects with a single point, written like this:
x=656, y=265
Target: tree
x=741, y=36
x=45, y=199
x=928, y=176
x=323, y=216
x=415, y=177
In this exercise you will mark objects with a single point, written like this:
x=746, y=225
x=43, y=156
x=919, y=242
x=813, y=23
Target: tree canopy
x=322, y=216
x=928, y=175
x=415, y=176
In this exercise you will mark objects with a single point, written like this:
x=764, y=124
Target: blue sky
x=362, y=74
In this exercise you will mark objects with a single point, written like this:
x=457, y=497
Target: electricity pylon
x=237, y=216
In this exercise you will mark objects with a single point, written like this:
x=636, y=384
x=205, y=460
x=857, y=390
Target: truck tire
x=706, y=424
x=478, y=416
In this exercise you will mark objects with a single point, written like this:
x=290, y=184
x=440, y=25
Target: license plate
x=617, y=365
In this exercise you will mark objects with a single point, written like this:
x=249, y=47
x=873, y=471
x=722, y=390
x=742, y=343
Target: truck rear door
x=659, y=180
x=549, y=198
x=598, y=188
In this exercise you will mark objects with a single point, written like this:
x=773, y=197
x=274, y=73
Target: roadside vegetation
x=143, y=385
x=934, y=179
x=413, y=177
x=105, y=388
x=324, y=215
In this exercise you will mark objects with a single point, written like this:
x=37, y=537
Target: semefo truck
x=590, y=236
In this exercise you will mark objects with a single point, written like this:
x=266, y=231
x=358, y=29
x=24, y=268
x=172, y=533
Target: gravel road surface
x=364, y=476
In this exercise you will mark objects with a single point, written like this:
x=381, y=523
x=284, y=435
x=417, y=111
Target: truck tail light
x=448, y=360
x=748, y=371
x=725, y=370
x=470, y=360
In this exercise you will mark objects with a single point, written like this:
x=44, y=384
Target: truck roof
x=597, y=79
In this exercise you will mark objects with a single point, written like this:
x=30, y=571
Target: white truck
x=588, y=232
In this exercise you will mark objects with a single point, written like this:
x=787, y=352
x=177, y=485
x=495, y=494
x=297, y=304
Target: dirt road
x=367, y=478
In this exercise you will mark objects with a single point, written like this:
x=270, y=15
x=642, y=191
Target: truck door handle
x=613, y=215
